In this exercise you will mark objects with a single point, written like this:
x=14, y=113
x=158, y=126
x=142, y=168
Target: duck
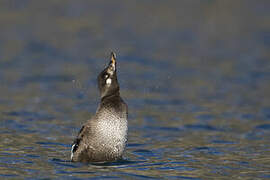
x=103, y=137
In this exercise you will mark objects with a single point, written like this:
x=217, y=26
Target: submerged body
x=103, y=137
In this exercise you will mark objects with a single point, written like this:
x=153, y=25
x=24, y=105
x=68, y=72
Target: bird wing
x=77, y=140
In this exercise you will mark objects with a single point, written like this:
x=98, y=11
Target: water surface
x=195, y=75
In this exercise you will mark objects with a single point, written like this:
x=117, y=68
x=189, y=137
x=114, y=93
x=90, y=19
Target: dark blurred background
x=223, y=41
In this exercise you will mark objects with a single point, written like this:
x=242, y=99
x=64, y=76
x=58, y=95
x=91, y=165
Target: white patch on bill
x=113, y=67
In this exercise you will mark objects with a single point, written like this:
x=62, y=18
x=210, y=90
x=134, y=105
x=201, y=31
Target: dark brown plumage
x=103, y=137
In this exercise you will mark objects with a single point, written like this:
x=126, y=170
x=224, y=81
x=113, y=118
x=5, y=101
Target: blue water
x=195, y=75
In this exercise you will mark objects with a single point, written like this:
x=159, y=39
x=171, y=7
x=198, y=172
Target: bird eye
x=106, y=76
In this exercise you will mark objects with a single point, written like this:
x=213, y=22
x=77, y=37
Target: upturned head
x=107, y=79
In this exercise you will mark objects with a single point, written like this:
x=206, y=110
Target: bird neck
x=112, y=95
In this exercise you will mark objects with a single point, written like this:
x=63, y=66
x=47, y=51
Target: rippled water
x=195, y=75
